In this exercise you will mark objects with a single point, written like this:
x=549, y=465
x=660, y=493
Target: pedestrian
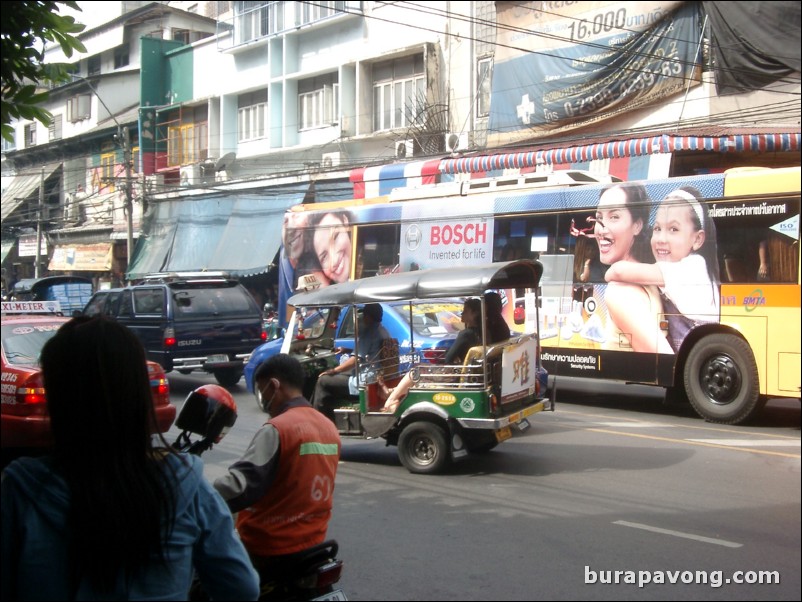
x=108, y=514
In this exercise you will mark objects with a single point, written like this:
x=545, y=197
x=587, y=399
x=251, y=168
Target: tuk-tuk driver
x=333, y=385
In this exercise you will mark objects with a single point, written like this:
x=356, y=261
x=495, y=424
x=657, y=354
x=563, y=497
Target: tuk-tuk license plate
x=503, y=434
x=217, y=359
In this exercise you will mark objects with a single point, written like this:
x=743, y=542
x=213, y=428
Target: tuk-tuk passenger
x=468, y=337
x=333, y=384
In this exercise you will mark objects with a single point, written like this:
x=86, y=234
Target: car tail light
x=32, y=392
x=169, y=337
x=158, y=385
x=263, y=334
x=434, y=356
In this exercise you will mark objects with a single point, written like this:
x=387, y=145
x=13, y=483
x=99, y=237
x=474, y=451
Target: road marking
x=752, y=442
x=637, y=425
x=695, y=442
x=702, y=538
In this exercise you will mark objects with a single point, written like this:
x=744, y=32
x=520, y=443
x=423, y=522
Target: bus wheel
x=721, y=379
x=423, y=448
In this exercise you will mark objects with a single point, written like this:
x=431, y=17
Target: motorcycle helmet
x=209, y=411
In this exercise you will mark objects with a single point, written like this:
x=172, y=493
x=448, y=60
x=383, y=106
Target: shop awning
x=665, y=143
x=239, y=234
x=23, y=186
x=81, y=258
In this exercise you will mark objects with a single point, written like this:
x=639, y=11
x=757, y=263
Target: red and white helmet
x=209, y=411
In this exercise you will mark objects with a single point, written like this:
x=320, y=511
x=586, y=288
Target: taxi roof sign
x=31, y=307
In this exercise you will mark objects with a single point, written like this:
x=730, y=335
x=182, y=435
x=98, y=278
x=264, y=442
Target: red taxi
x=26, y=326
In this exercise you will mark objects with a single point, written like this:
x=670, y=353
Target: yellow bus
x=690, y=283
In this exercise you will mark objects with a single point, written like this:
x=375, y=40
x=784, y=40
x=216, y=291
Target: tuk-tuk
x=451, y=410
x=72, y=292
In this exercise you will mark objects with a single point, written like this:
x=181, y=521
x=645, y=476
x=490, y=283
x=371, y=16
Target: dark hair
x=122, y=502
x=708, y=250
x=497, y=328
x=639, y=205
x=374, y=310
x=284, y=367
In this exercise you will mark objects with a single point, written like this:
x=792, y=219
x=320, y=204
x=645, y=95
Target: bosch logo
x=413, y=237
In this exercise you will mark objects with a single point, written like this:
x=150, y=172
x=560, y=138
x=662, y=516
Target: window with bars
x=187, y=143
x=253, y=20
x=251, y=115
x=318, y=102
x=93, y=65
x=399, y=92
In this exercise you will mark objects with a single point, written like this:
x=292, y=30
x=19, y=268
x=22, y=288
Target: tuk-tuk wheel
x=423, y=448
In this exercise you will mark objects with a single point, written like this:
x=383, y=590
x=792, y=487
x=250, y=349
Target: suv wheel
x=228, y=377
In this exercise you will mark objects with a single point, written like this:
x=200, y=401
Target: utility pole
x=38, y=257
x=125, y=139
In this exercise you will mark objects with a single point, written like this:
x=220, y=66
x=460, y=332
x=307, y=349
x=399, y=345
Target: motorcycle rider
x=282, y=487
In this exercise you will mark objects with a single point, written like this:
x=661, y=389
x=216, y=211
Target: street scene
x=401, y=300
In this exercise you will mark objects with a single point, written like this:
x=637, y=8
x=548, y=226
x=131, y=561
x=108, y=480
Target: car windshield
x=433, y=318
x=22, y=342
x=196, y=302
x=312, y=324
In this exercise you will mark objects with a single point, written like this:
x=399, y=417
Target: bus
x=690, y=283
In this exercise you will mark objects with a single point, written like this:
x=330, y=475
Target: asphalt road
x=610, y=491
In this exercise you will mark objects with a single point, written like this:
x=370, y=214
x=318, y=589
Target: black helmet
x=209, y=411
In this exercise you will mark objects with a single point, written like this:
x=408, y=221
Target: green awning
x=239, y=234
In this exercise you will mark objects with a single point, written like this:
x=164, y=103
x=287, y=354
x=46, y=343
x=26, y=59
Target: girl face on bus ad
x=615, y=229
x=675, y=234
x=332, y=244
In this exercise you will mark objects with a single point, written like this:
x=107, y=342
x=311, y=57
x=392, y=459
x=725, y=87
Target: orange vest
x=295, y=512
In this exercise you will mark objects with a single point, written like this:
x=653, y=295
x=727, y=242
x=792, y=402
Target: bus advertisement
x=690, y=283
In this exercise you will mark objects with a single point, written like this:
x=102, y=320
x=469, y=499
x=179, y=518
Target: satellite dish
x=224, y=161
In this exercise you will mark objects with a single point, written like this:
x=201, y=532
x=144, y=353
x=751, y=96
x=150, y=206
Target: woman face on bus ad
x=332, y=245
x=616, y=228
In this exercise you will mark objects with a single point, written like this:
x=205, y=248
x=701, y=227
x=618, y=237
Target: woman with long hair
x=110, y=514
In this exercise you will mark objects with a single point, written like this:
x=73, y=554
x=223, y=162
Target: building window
x=10, y=145
x=30, y=135
x=54, y=130
x=93, y=65
x=187, y=136
x=107, y=160
x=254, y=20
x=121, y=56
x=484, y=77
x=399, y=93
x=318, y=102
x=315, y=11
x=78, y=108
x=251, y=112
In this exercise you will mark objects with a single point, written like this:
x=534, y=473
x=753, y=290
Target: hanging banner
x=592, y=61
x=82, y=258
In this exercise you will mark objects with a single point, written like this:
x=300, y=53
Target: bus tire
x=721, y=379
x=423, y=448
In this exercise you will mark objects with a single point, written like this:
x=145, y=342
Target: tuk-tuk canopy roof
x=459, y=281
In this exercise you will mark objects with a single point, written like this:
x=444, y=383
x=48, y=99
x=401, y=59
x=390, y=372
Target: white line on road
x=718, y=542
x=751, y=442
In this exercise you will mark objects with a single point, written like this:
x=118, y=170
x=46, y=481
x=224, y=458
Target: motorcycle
x=209, y=412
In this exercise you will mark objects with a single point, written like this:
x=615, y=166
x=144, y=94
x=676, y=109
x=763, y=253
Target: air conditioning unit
x=404, y=149
x=190, y=175
x=155, y=182
x=330, y=160
x=456, y=142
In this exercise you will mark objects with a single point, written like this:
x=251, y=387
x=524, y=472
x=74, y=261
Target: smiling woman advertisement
x=331, y=244
x=621, y=226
